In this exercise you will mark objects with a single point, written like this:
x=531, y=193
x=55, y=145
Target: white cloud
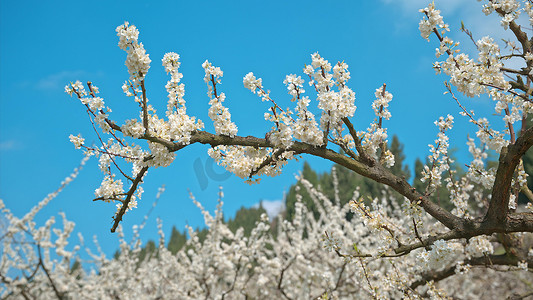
x=273, y=208
x=411, y=7
x=58, y=80
x=10, y=145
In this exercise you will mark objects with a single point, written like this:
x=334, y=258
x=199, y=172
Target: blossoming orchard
x=404, y=246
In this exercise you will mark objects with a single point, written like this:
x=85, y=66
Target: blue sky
x=44, y=45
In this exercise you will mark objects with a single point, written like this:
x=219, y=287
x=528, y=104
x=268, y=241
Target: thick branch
x=429, y=241
x=509, y=160
x=377, y=172
x=433, y=276
x=459, y=227
x=527, y=192
x=503, y=260
x=145, y=109
x=521, y=36
x=509, y=70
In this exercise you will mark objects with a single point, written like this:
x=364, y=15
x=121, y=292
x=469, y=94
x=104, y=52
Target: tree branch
x=504, y=260
x=364, y=156
x=510, y=156
x=118, y=216
x=145, y=109
x=59, y=295
x=376, y=172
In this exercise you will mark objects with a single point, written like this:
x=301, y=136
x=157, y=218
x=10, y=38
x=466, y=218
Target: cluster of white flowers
x=521, y=176
x=372, y=138
x=242, y=161
x=221, y=117
x=133, y=128
x=476, y=170
x=490, y=63
x=469, y=77
x=180, y=124
x=341, y=73
x=334, y=104
x=251, y=83
x=506, y=101
x=161, y=156
x=528, y=8
x=95, y=104
x=77, y=140
x=217, y=112
x=212, y=76
x=432, y=21
x=281, y=133
x=110, y=188
x=101, y=121
x=294, y=264
x=330, y=242
x=300, y=262
x=479, y=246
x=376, y=135
x=509, y=9
x=446, y=45
x=381, y=104
x=306, y=128
x=294, y=86
x=379, y=223
x=76, y=87
x=438, y=159
x=494, y=139
x=137, y=61
x=440, y=255
x=460, y=193
x=175, y=89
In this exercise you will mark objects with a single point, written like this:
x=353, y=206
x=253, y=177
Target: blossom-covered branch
x=483, y=199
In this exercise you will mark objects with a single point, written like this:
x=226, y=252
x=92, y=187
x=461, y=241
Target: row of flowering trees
x=326, y=258
x=391, y=248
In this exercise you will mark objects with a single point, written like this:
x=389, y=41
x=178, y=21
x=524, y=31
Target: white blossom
x=77, y=140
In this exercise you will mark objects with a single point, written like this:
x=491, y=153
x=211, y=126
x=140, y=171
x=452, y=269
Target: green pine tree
x=246, y=218
x=177, y=240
